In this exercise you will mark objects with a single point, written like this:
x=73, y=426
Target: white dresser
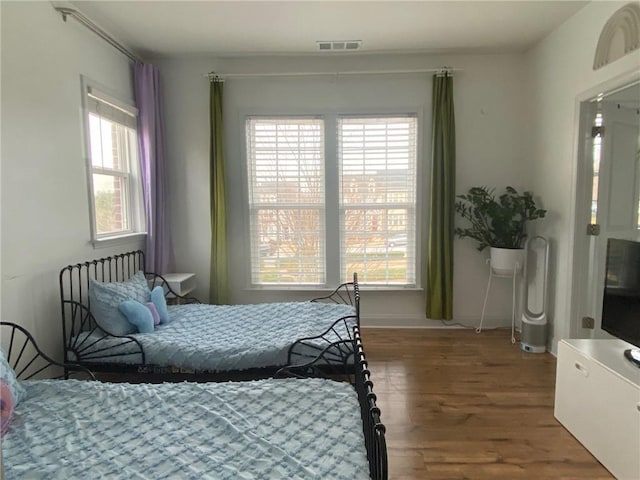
x=598, y=401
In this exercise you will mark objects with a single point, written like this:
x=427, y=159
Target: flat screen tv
x=621, y=302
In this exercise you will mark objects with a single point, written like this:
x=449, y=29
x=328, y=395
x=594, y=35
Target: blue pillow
x=8, y=376
x=105, y=299
x=158, y=299
x=138, y=314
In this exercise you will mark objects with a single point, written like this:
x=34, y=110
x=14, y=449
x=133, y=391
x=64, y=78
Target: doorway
x=608, y=202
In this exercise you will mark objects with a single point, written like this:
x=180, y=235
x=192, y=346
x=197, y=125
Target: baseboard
x=415, y=321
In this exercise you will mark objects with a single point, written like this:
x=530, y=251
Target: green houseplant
x=497, y=222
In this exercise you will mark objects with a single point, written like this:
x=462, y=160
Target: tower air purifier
x=534, y=299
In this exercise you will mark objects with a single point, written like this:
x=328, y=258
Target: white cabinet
x=598, y=401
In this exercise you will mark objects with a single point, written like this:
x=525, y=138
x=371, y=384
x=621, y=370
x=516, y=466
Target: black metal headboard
x=89, y=349
x=26, y=358
x=74, y=283
x=76, y=306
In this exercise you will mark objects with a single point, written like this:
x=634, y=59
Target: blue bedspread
x=267, y=429
x=236, y=337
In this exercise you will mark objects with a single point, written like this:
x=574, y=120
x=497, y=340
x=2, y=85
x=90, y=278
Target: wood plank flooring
x=461, y=405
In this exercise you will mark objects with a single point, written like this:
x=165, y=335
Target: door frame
x=583, y=176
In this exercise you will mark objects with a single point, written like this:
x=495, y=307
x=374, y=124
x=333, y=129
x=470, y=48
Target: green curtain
x=218, y=285
x=439, y=265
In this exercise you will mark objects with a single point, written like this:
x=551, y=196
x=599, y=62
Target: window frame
x=332, y=192
x=132, y=177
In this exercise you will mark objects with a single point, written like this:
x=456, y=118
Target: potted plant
x=498, y=223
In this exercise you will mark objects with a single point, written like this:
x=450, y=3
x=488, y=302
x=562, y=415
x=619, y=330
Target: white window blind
x=286, y=200
x=107, y=107
x=377, y=172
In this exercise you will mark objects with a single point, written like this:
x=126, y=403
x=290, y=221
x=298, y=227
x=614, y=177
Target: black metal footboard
x=346, y=293
x=325, y=345
x=341, y=360
x=83, y=340
x=308, y=348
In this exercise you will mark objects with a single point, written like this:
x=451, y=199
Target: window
x=377, y=220
x=356, y=212
x=286, y=200
x=596, y=134
x=114, y=178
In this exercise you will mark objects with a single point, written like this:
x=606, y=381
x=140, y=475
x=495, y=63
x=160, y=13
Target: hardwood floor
x=461, y=405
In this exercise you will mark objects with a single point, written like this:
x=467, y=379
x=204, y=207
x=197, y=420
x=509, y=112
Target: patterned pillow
x=8, y=376
x=138, y=314
x=6, y=407
x=154, y=313
x=106, y=297
x=159, y=300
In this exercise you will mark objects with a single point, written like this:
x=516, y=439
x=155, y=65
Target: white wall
x=559, y=70
x=489, y=107
x=45, y=212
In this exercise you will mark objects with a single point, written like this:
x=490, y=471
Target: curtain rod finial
x=445, y=71
x=214, y=77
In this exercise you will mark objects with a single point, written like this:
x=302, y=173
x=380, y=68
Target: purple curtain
x=159, y=250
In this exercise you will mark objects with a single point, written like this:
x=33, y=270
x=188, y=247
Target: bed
x=286, y=427
x=255, y=338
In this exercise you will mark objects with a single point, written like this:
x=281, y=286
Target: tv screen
x=621, y=302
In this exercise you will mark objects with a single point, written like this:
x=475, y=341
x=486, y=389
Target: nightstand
x=181, y=283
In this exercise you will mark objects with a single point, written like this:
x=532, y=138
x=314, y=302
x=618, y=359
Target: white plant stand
x=514, y=276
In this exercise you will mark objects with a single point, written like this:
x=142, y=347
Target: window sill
x=328, y=289
x=118, y=239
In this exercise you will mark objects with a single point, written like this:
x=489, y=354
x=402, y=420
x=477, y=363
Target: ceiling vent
x=339, y=45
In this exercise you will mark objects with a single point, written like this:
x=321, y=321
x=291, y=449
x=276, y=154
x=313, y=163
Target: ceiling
x=241, y=28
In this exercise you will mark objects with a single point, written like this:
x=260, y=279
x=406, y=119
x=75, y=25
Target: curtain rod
x=222, y=76
x=80, y=18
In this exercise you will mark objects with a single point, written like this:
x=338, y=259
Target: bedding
x=224, y=337
x=284, y=428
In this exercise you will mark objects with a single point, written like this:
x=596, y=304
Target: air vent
x=339, y=45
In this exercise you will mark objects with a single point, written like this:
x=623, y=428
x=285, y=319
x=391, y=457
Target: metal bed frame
x=28, y=361
x=339, y=360
x=77, y=318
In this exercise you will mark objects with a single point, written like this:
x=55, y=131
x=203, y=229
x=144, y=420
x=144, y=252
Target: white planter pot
x=504, y=261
